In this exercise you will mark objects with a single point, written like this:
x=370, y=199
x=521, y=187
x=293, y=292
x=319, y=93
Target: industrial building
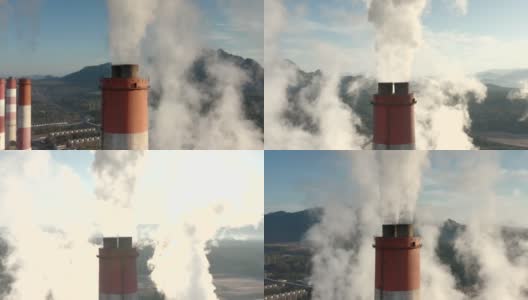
x=394, y=117
x=397, y=274
x=124, y=117
x=284, y=290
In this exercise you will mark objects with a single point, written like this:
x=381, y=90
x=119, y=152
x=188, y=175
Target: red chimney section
x=394, y=117
x=397, y=263
x=117, y=269
x=125, y=109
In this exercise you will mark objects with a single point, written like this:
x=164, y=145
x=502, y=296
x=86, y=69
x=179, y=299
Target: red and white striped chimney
x=24, y=115
x=394, y=117
x=397, y=263
x=10, y=114
x=117, y=269
x=125, y=109
x=2, y=113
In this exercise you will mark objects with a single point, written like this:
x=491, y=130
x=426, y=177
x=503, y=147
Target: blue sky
x=73, y=34
x=490, y=36
x=296, y=180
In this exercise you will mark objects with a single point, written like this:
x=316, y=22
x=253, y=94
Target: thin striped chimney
x=2, y=113
x=24, y=115
x=11, y=114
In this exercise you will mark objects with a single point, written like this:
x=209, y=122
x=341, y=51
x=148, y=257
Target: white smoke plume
x=4, y=18
x=27, y=16
x=399, y=33
x=482, y=239
x=128, y=20
x=343, y=263
x=387, y=190
x=461, y=6
x=51, y=216
x=442, y=117
x=166, y=40
x=326, y=122
x=520, y=94
x=49, y=243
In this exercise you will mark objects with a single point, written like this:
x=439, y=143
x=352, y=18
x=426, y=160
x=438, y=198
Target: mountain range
x=77, y=94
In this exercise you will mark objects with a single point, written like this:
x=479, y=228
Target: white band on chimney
x=2, y=107
x=11, y=108
x=2, y=141
x=129, y=141
x=397, y=295
x=11, y=93
x=24, y=116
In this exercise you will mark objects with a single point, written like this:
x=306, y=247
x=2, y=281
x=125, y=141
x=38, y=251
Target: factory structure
x=393, y=117
x=397, y=273
x=124, y=117
x=118, y=277
x=284, y=290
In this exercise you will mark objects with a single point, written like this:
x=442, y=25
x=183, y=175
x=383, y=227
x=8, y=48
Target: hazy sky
x=491, y=36
x=296, y=180
x=54, y=176
x=64, y=36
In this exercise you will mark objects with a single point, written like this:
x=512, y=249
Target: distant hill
x=507, y=78
x=88, y=76
x=77, y=95
x=495, y=114
x=284, y=227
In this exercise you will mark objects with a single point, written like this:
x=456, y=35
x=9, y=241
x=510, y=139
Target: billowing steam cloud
x=461, y=6
x=398, y=34
x=442, y=118
x=310, y=113
x=168, y=45
x=321, y=120
x=24, y=16
x=520, y=94
x=27, y=14
x=52, y=218
x=343, y=263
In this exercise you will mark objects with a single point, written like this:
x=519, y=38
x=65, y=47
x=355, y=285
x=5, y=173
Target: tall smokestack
x=2, y=113
x=125, y=109
x=10, y=113
x=24, y=115
x=394, y=117
x=117, y=269
x=397, y=263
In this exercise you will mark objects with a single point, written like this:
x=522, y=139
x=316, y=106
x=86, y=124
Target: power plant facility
x=397, y=274
x=123, y=116
x=117, y=269
x=125, y=109
x=393, y=117
x=284, y=290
